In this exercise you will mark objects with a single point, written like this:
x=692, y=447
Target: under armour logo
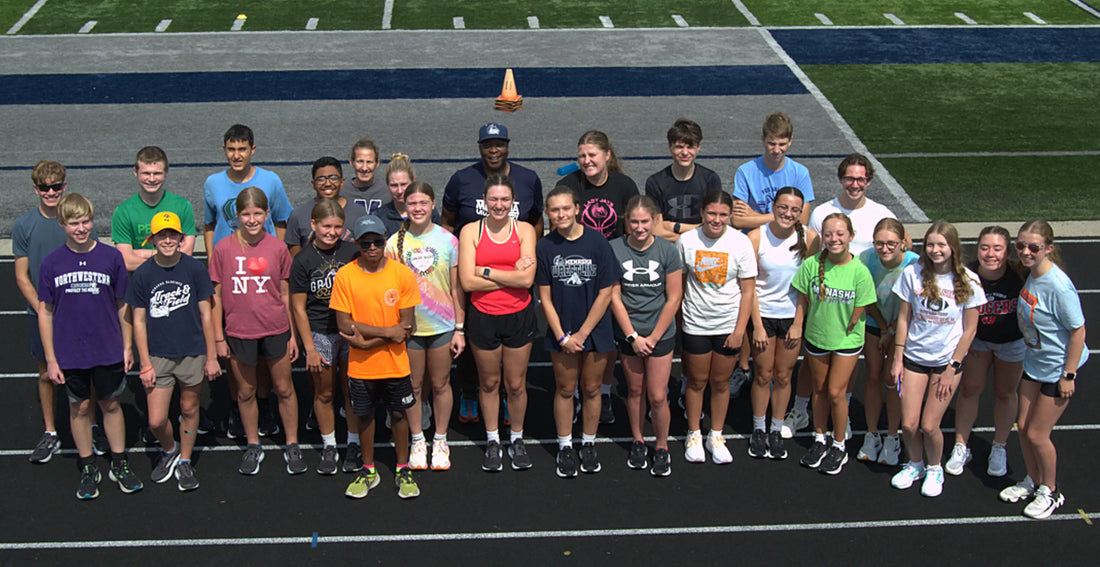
x=629, y=270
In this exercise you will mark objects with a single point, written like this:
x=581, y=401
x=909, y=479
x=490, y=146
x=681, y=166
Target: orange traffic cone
x=508, y=101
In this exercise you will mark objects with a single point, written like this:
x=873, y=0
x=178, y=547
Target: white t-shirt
x=777, y=265
x=864, y=220
x=715, y=268
x=935, y=328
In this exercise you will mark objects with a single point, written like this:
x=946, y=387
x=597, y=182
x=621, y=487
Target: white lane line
x=894, y=19
x=1086, y=7
x=538, y=534
x=459, y=22
x=14, y=29
x=680, y=21
x=533, y=22
x=888, y=180
x=163, y=25
x=741, y=7
x=605, y=21
x=311, y=24
x=1031, y=16
x=87, y=27
x=387, y=14
x=966, y=19
x=823, y=18
x=238, y=24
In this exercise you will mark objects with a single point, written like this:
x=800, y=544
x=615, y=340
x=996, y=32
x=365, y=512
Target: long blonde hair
x=961, y=281
x=825, y=252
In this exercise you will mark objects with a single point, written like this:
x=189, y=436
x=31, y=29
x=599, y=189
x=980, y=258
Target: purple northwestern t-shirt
x=84, y=288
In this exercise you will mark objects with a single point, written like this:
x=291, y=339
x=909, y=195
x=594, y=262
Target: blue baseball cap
x=492, y=131
x=367, y=224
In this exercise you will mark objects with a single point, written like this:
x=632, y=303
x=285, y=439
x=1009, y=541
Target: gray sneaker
x=100, y=445
x=166, y=465
x=250, y=461
x=492, y=460
x=329, y=460
x=128, y=482
x=353, y=458
x=46, y=448
x=517, y=451
x=637, y=457
x=293, y=457
x=738, y=379
x=185, y=476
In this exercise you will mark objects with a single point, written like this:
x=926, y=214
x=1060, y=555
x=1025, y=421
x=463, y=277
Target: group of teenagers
x=380, y=293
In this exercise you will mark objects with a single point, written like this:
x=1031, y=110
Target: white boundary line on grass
x=1086, y=7
x=888, y=180
x=316, y=539
x=14, y=29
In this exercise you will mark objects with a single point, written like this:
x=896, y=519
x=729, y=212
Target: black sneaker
x=492, y=461
x=89, y=483
x=776, y=450
x=311, y=421
x=329, y=460
x=567, y=463
x=758, y=444
x=834, y=460
x=269, y=424
x=353, y=458
x=46, y=448
x=813, y=457
x=148, y=437
x=590, y=462
x=166, y=465
x=293, y=457
x=517, y=451
x=637, y=457
x=206, y=425
x=234, y=429
x=100, y=445
x=662, y=465
x=606, y=414
x=250, y=461
x=128, y=482
x=185, y=476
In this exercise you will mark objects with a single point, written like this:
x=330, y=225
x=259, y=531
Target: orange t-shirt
x=376, y=300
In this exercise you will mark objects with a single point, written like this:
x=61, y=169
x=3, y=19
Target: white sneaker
x=960, y=455
x=872, y=446
x=998, y=461
x=716, y=445
x=933, y=481
x=1020, y=491
x=441, y=455
x=1044, y=504
x=425, y=416
x=418, y=455
x=909, y=473
x=794, y=421
x=891, y=451
x=693, y=453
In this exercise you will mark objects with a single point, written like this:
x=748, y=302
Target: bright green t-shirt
x=846, y=287
x=130, y=221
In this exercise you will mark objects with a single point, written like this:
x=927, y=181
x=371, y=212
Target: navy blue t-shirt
x=465, y=194
x=576, y=271
x=170, y=297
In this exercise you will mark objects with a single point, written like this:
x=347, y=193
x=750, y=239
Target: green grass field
x=922, y=12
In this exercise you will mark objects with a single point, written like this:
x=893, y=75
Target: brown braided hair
x=800, y=246
x=414, y=188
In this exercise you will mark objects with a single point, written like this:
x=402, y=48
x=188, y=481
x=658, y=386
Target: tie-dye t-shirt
x=430, y=256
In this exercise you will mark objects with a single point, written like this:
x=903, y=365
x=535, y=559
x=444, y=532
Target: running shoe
x=100, y=445
x=250, y=461
x=933, y=481
x=1020, y=491
x=441, y=455
x=166, y=465
x=776, y=450
x=128, y=482
x=1044, y=504
x=148, y=437
x=738, y=379
x=815, y=455
x=467, y=411
x=637, y=458
x=48, y=446
x=517, y=451
x=293, y=457
x=794, y=421
x=848, y=431
x=234, y=428
x=910, y=472
x=890, y=455
x=330, y=460
x=758, y=444
x=418, y=455
x=426, y=416
x=364, y=481
x=693, y=448
x=185, y=476
x=998, y=461
x=872, y=446
x=89, y=483
x=590, y=462
x=406, y=484
x=719, y=453
x=566, y=463
x=662, y=465
x=960, y=455
x=311, y=421
x=206, y=425
x=834, y=461
x=492, y=461
x=607, y=415
x=269, y=423
x=353, y=458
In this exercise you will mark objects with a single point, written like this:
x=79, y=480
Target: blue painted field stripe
x=364, y=84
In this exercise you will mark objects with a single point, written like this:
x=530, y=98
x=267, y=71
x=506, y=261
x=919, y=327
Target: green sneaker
x=364, y=481
x=406, y=484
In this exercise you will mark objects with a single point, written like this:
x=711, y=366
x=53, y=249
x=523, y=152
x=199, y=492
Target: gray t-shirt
x=368, y=199
x=34, y=236
x=298, y=226
x=643, y=282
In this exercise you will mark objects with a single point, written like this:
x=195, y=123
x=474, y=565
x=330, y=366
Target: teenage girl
x=720, y=282
x=252, y=321
x=886, y=259
x=311, y=276
x=835, y=289
x=496, y=264
x=1049, y=314
x=998, y=344
x=644, y=303
x=936, y=323
x=781, y=246
x=576, y=271
x=399, y=176
x=432, y=254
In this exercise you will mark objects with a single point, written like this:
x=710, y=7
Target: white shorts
x=1009, y=352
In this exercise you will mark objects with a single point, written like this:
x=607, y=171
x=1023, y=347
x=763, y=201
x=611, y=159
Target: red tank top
x=499, y=256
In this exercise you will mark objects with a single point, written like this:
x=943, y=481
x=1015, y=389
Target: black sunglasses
x=1033, y=248
x=55, y=187
x=366, y=243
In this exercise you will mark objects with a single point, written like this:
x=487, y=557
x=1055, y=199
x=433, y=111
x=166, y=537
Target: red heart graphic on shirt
x=257, y=265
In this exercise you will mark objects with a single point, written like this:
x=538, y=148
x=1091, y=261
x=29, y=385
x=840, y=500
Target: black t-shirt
x=312, y=273
x=997, y=318
x=603, y=208
x=681, y=201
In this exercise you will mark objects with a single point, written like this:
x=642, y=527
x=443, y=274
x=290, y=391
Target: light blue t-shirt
x=888, y=303
x=757, y=185
x=220, y=196
x=1048, y=309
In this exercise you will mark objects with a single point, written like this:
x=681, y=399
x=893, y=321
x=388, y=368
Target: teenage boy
x=130, y=221
x=174, y=334
x=854, y=173
x=81, y=285
x=326, y=177
x=679, y=188
x=374, y=300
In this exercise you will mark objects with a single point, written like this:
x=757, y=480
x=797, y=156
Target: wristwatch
x=1069, y=376
x=485, y=273
x=956, y=365
x=631, y=338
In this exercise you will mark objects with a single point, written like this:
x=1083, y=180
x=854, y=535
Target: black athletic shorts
x=249, y=351
x=706, y=344
x=109, y=382
x=515, y=330
x=814, y=350
x=660, y=349
x=395, y=394
x=774, y=327
x=922, y=369
x=1048, y=389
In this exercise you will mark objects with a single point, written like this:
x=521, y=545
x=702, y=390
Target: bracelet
x=460, y=326
x=460, y=332
x=564, y=338
x=902, y=345
x=219, y=340
x=150, y=369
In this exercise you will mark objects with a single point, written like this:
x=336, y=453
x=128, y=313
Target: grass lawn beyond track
x=922, y=12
